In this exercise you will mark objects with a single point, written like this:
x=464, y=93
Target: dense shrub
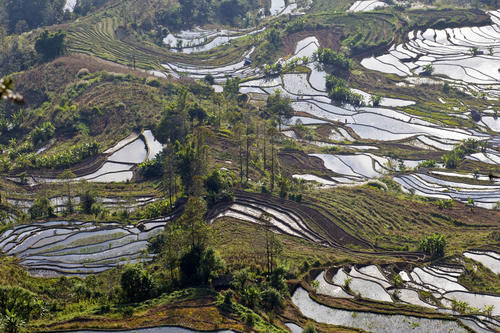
x=433, y=245
x=339, y=92
x=338, y=61
x=271, y=298
x=23, y=303
x=453, y=158
x=137, y=284
x=50, y=45
x=41, y=208
x=198, y=265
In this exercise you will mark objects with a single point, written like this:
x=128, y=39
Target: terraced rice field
x=467, y=57
x=59, y=203
x=371, y=283
x=489, y=259
x=372, y=322
x=367, y=5
x=121, y=160
x=78, y=248
x=485, y=196
x=385, y=124
x=199, y=40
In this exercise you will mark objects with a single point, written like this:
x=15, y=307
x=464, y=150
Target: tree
x=337, y=61
x=173, y=246
x=198, y=265
x=172, y=125
x=87, y=199
x=232, y=87
x=279, y=107
x=33, y=13
x=136, y=284
x=11, y=323
x=42, y=208
x=192, y=223
x=339, y=92
x=271, y=298
x=50, y=45
x=427, y=70
x=67, y=176
x=17, y=307
x=273, y=246
x=195, y=111
x=272, y=133
x=191, y=159
x=433, y=245
x=219, y=188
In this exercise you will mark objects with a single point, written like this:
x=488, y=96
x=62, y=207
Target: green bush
x=21, y=302
x=340, y=93
x=338, y=61
x=136, y=284
x=271, y=298
x=41, y=208
x=433, y=245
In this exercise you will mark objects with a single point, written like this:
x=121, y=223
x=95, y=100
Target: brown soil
x=294, y=161
x=198, y=314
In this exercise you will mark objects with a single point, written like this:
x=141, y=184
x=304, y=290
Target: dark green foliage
x=197, y=266
x=337, y=61
x=186, y=163
x=433, y=245
x=50, y=45
x=209, y=79
x=232, y=87
x=271, y=298
x=277, y=280
x=42, y=134
x=340, y=93
x=172, y=125
x=153, y=168
x=195, y=111
x=427, y=70
x=83, y=7
x=198, y=12
x=21, y=302
x=170, y=16
x=427, y=164
x=454, y=157
x=41, y=208
x=136, y=284
x=273, y=36
x=219, y=188
x=24, y=15
x=278, y=107
x=251, y=296
x=63, y=159
x=87, y=199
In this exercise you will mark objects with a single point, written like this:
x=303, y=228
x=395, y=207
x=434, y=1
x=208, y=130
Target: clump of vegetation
x=427, y=164
x=136, y=284
x=454, y=157
x=340, y=93
x=338, y=62
x=427, y=70
x=433, y=245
